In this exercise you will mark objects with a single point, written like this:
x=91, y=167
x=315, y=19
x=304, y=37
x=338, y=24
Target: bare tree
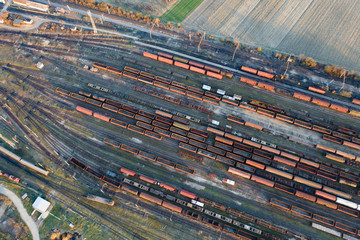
x=156, y=22
x=202, y=37
x=236, y=41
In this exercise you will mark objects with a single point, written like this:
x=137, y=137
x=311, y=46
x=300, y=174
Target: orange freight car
x=214, y=75
x=251, y=143
x=255, y=164
x=233, y=137
x=266, y=86
x=356, y=101
x=181, y=65
x=253, y=125
x=320, y=102
x=172, y=207
x=127, y=171
x=224, y=140
x=187, y=194
x=165, y=60
x=317, y=90
x=284, y=161
x=150, y=55
x=325, y=195
x=350, y=144
x=101, y=117
x=326, y=203
x=310, y=163
x=307, y=182
x=305, y=196
x=335, y=158
x=239, y=172
x=269, y=149
x=290, y=156
x=279, y=172
x=198, y=70
x=249, y=70
x=215, y=131
x=248, y=80
x=262, y=181
x=302, y=96
x=339, y=108
x=84, y=110
x=265, y=74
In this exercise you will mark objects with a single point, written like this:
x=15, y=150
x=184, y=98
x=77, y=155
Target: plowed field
x=328, y=31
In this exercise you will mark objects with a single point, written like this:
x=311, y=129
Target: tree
x=156, y=21
x=236, y=42
x=309, y=62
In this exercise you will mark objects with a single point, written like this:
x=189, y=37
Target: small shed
x=17, y=22
x=41, y=205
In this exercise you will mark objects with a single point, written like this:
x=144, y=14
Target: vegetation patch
x=180, y=11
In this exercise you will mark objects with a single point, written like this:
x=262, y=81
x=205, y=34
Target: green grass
x=180, y=10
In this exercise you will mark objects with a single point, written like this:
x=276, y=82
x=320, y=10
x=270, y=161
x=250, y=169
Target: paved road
x=23, y=214
x=5, y=6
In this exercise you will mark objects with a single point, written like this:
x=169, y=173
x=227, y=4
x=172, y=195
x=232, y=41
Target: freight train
x=254, y=105
x=187, y=64
x=193, y=206
x=149, y=156
x=23, y=162
x=338, y=135
x=194, y=142
x=341, y=135
x=350, y=208
x=317, y=218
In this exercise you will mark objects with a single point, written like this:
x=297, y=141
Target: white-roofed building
x=41, y=205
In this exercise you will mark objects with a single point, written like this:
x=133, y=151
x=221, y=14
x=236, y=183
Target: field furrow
x=328, y=31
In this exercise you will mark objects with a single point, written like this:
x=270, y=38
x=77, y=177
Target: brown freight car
x=150, y=198
x=172, y=207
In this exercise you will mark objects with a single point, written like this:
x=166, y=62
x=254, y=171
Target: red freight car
x=317, y=90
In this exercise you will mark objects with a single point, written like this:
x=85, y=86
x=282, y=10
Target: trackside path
x=23, y=214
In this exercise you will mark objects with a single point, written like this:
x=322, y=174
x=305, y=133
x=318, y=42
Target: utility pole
x=92, y=22
x=202, y=37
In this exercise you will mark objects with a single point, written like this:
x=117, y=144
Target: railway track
x=137, y=146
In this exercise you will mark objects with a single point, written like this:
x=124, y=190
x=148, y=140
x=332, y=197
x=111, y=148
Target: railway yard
x=151, y=139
